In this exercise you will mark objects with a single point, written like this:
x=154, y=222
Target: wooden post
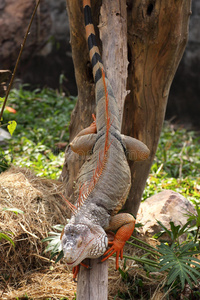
x=93, y=282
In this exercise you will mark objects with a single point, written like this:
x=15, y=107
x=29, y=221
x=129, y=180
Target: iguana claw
x=75, y=270
x=117, y=247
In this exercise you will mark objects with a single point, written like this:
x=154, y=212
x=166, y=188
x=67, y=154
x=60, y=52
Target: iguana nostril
x=79, y=242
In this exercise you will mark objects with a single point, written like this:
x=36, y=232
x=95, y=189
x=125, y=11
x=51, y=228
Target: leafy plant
x=195, y=218
x=4, y=163
x=42, y=118
x=177, y=259
x=175, y=232
x=177, y=152
x=148, y=251
x=176, y=165
x=4, y=235
x=180, y=263
x=54, y=245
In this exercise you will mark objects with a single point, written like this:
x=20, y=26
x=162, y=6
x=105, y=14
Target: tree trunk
x=156, y=32
x=157, y=36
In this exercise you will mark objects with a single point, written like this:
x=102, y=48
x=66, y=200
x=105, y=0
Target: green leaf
x=14, y=210
x=167, y=266
x=172, y=275
x=60, y=256
x=177, y=259
x=124, y=274
x=58, y=227
x=12, y=126
x=7, y=238
x=193, y=270
x=165, y=228
x=54, y=245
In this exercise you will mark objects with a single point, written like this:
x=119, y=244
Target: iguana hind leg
x=85, y=139
x=124, y=224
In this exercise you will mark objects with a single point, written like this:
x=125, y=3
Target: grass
x=177, y=164
x=42, y=118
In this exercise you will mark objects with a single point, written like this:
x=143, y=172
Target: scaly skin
x=104, y=180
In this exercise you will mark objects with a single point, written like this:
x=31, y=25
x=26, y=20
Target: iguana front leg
x=135, y=149
x=85, y=139
x=124, y=224
x=75, y=270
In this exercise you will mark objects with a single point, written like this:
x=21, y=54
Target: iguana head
x=80, y=241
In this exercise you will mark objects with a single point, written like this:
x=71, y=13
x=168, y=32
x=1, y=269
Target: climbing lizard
x=104, y=180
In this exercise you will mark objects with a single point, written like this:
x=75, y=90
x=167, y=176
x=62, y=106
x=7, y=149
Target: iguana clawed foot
x=117, y=247
x=75, y=270
x=126, y=224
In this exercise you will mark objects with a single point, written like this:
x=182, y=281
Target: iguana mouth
x=71, y=263
x=83, y=250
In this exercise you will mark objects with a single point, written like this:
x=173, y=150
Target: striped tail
x=95, y=56
x=102, y=84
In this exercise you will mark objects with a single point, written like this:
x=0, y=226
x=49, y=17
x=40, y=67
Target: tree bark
x=156, y=34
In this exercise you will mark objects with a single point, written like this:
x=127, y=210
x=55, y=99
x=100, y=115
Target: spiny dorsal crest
x=86, y=189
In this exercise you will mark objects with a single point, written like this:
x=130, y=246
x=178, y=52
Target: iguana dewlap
x=104, y=180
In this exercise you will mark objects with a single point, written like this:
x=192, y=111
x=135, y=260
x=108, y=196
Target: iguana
x=104, y=180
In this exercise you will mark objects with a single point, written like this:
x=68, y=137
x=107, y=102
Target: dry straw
x=43, y=207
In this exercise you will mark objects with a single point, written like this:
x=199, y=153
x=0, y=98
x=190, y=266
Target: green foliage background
x=42, y=118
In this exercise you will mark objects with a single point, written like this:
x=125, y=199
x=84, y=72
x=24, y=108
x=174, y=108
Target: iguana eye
x=106, y=241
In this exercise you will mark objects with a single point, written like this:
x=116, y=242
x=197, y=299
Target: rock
x=165, y=207
x=47, y=53
x=14, y=19
x=4, y=136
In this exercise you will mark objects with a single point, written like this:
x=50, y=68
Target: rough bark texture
x=157, y=35
x=93, y=283
x=113, y=15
